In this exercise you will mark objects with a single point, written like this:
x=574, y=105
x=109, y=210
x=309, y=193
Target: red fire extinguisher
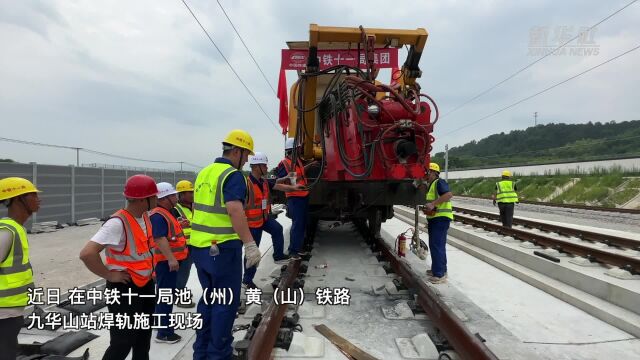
x=401, y=245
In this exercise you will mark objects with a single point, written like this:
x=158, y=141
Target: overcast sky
x=139, y=78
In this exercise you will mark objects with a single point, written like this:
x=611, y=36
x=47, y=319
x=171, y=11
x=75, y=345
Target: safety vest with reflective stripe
x=211, y=222
x=301, y=179
x=186, y=213
x=175, y=237
x=256, y=213
x=442, y=210
x=136, y=257
x=16, y=276
x=506, y=193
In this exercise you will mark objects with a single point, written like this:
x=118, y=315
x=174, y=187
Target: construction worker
x=506, y=197
x=16, y=277
x=183, y=211
x=258, y=210
x=219, y=230
x=167, y=228
x=297, y=201
x=439, y=215
x=128, y=239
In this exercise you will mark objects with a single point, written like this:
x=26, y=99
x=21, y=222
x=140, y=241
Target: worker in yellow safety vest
x=219, y=231
x=439, y=213
x=16, y=277
x=506, y=197
x=183, y=211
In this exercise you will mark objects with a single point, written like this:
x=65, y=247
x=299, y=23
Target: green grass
x=596, y=189
x=620, y=197
x=633, y=184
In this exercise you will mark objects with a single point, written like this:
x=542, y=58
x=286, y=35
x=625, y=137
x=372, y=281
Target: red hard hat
x=140, y=187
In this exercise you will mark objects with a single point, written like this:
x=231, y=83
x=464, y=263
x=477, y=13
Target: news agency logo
x=543, y=40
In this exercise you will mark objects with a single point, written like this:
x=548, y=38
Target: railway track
x=567, y=206
x=631, y=264
x=459, y=341
x=594, y=237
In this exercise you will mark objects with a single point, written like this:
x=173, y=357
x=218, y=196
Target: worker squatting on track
x=506, y=197
x=16, y=276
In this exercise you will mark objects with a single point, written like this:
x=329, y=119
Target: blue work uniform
x=165, y=279
x=437, y=229
x=298, y=212
x=223, y=271
x=271, y=227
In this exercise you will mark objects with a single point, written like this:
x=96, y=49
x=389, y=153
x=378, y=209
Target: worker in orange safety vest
x=167, y=228
x=127, y=239
x=258, y=211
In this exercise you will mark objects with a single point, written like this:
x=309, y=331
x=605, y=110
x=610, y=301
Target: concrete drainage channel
x=593, y=287
x=422, y=325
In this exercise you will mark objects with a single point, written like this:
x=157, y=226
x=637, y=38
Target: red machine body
x=401, y=142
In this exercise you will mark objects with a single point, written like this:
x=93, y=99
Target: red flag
x=282, y=95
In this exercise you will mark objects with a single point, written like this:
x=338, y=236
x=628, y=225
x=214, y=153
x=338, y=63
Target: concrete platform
x=543, y=325
x=589, y=279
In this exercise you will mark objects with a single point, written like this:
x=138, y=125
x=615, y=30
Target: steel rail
x=264, y=339
x=595, y=255
x=567, y=206
x=463, y=341
x=610, y=240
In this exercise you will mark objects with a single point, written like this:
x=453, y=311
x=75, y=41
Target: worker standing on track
x=218, y=232
x=439, y=213
x=506, y=197
x=167, y=228
x=128, y=239
x=297, y=201
x=16, y=277
x=183, y=211
x=258, y=210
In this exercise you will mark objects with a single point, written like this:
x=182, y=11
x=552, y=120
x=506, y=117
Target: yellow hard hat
x=506, y=173
x=15, y=186
x=184, y=185
x=434, y=167
x=239, y=138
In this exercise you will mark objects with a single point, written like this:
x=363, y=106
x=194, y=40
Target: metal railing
x=70, y=193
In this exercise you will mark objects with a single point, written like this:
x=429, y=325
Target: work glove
x=252, y=254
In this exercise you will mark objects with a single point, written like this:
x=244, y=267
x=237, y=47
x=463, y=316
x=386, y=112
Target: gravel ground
x=608, y=220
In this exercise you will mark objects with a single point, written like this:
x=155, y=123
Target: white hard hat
x=258, y=158
x=165, y=189
x=288, y=145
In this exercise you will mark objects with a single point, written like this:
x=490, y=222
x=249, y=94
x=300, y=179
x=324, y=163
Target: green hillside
x=547, y=144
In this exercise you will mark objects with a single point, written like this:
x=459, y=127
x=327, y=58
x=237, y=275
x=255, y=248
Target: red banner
x=297, y=59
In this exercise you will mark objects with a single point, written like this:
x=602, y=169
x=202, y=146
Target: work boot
x=437, y=280
x=294, y=256
x=430, y=273
x=188, y=305
x=169, y=339
x=249, y=285
x=281, y=260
